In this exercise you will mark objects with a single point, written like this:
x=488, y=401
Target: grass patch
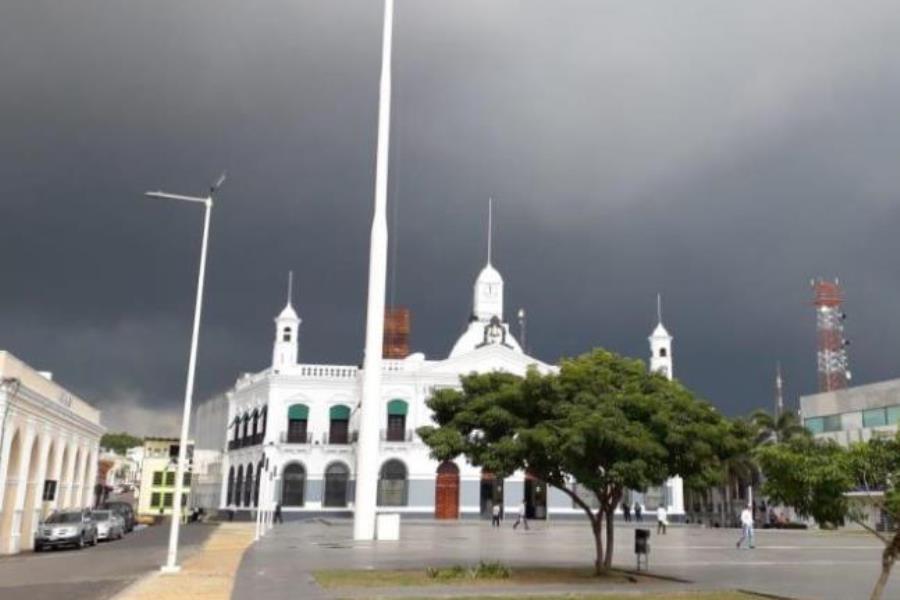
x=481, y=574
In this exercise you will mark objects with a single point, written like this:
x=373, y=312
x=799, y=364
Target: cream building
x=49, y=448
x=157, y=490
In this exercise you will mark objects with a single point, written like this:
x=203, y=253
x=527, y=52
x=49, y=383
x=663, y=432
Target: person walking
x=746, y=528
x=662, y=520
x=626, y=512
x=495, y=515
x=638, y=512
x=276, y=518
x=520, y=518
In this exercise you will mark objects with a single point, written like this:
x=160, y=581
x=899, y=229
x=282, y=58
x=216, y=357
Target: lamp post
x=171, y=565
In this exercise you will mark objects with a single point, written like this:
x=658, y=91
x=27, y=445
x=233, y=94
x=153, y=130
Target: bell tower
x=287, y=325
x=661, y=345
x=488, y=299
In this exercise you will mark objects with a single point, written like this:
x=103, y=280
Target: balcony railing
x=393, y=435
x=250, y=440
x=294, y=438
x=341, y=439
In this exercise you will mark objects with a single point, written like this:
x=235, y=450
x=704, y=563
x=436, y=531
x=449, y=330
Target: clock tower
x=661, y=346
x=287, y=324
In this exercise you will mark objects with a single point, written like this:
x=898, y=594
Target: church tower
x=488, y=300
x=287, y=325
x=661, y=345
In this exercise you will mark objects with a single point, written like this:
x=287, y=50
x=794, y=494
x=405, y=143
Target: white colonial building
x=303, y=419
x=49, y=449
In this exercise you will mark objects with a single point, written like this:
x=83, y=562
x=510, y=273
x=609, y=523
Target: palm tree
x=771, y=429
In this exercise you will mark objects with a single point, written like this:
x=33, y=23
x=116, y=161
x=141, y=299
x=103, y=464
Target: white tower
x=661, y=345
x=287, y=324
x=488, y=301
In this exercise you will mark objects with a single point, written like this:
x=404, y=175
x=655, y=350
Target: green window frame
x=397, y=408
x=876, y=417
x=815, y=425
x=339, y=413
x=154, y=499
x=298, y=412
x=157, y=477
x=893, y=415
x=186, y=480
x=170, y=479
x=168, y=499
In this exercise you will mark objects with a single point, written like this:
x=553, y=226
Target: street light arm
x=168, y=196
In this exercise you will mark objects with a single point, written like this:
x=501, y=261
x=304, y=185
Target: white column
x=4, y=459
x=676, y=501
x=13, y=544
x=65, y=483
x=367, y=448
x=90, y=479
x=33, y=496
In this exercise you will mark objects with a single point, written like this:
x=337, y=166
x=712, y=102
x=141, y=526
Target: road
x=92, y=573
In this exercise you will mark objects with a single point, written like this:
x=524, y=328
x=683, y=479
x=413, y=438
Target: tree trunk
x=597, y=524
x=610, y=531
x=888, y=558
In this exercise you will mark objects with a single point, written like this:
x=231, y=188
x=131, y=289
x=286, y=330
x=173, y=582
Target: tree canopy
x=603, y=421
x=120, y=442
x=816, y=476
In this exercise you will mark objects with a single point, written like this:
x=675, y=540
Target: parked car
x=66, y=528
x=110, y=526
x=124, y=510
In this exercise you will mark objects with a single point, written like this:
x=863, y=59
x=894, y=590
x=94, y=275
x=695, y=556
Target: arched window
x=230, y=486
x=286, y=334
x=265, y=419
x=339, y=429
x=245, y=429
x=237, y=428
x=293, y=485
x=239, y=485
x=392, y=484
x=336, y=477
x=259, y=476
x=662, y=352
x=248, y=485
x=297, y=419
x=255, y=424
x=396, y=421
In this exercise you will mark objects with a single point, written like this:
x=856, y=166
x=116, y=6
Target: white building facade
x=301, y=419
x=49, y=451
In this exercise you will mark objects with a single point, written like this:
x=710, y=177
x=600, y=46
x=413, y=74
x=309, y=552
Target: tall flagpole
x=367, y=445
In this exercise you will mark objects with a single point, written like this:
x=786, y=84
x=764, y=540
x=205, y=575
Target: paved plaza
x=797, y=564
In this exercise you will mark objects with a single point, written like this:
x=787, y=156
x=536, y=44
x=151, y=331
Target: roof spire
x=659, y=308
x=490, y=228
x=290, y=287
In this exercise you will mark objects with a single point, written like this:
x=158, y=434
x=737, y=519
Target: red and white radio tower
x=832, y=347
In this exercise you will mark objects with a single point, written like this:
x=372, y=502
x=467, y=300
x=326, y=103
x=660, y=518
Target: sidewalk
x=208, y=574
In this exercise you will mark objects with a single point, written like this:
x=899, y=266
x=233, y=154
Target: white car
x=110, y=526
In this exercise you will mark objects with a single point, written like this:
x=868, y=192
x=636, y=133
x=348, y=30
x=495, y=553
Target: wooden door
x=446, y=493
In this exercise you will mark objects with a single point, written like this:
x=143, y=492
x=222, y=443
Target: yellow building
x=157, y=491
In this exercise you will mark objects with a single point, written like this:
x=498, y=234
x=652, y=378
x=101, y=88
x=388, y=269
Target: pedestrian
x=638, y=512
x=626, y=511
x=662, y=520
x=746, y=528
x=276, y=518
x=495, y=515
x=520, y=518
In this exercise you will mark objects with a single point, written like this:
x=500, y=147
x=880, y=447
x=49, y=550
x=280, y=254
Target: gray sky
x=719, y=152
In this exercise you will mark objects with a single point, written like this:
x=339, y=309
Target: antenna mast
x=832, y=346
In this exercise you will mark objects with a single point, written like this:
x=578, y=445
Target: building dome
x=288, y=313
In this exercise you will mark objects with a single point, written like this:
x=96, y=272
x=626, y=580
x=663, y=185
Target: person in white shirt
x=746, y=527
x=520, y=518
x=662, y=520
x=495, y=515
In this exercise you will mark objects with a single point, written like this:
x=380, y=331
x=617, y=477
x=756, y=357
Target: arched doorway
x=491, y=494
x=293, y=485
x=11, y=486
x=239, y=485
x=336, y=477
x=248, y=486
x=446, y=491
x=51, y=481
x=535, y=497
x=392, y=484
x=230, y=496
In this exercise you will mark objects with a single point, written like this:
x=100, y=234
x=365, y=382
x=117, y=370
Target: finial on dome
x=490, y=228
x=290, y=286
x=658, y=307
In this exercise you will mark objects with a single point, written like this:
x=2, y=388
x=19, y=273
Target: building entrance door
x=446, y=492
x=535, y=498
x=491, y=494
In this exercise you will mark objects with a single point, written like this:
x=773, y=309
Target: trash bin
x=642, y=547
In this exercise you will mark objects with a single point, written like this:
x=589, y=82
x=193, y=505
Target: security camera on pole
x=171, y=565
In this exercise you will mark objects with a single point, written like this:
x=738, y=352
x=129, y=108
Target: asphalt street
x=92, y=573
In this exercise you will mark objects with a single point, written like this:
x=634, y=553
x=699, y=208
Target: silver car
x=110, y=526
x=66, y=528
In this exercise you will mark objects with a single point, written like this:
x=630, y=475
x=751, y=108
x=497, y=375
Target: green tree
x=603, y=421
x=120, y=442
x=772, y=429
x=815, y=476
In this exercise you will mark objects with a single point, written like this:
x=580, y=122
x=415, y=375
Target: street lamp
x=171, y=565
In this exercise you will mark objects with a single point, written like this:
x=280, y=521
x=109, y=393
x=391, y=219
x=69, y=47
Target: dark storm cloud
x=721, y=153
